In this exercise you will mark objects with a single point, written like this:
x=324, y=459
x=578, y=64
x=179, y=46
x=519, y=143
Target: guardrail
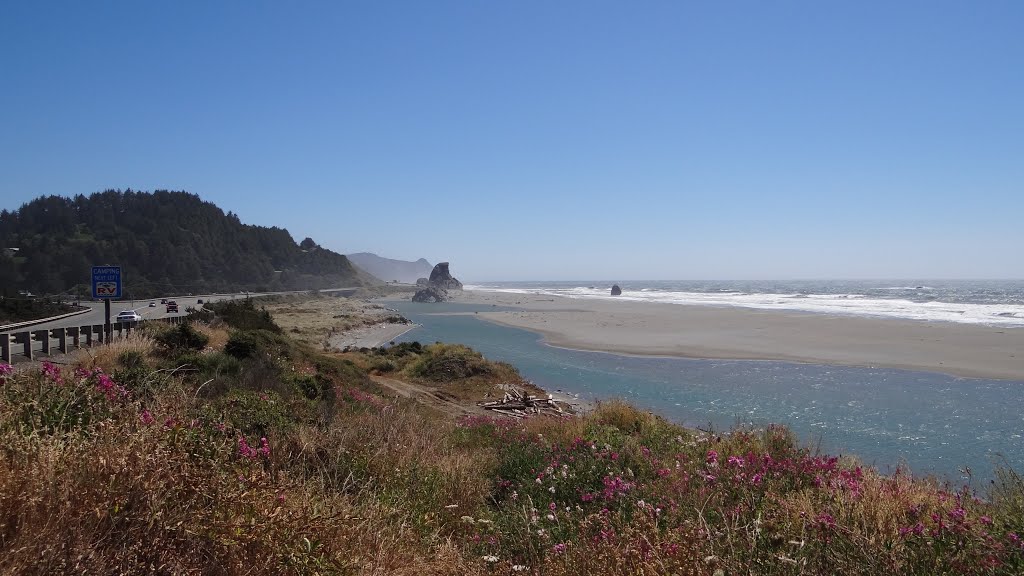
x=43, y=320
x=31, y=342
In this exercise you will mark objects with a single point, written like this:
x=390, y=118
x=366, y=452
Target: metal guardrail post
x=73, y=332
x=87, y=332
x=5, y=347
x=25, y=339
x=44, y=337
x=100, y=332
x=61, y=334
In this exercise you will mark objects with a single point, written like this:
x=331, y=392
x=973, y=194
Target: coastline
x=690, y=331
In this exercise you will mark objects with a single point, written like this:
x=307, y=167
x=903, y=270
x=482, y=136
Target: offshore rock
x=440, y=277
x=430, y=294
x=616, y=291
x=422, y=282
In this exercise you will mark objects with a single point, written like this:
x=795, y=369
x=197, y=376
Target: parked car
x=128, y=316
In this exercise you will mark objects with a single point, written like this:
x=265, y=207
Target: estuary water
x=931, y=423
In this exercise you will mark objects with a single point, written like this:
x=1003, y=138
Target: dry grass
x=313, y=319
x=106, y=356
x=218, y=335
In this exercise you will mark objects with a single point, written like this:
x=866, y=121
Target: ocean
x=991, y=302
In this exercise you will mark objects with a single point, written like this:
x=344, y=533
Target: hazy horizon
x=547, y=141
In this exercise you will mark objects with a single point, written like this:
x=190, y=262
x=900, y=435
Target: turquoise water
x=932, y=423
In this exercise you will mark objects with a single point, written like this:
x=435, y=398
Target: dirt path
x=433, y=397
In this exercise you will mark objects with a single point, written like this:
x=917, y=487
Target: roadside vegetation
x=227, y=447
x=14, y=310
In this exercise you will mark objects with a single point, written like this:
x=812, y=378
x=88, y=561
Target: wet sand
x=656, y=329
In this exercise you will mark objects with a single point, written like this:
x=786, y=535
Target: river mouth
x=932, y=423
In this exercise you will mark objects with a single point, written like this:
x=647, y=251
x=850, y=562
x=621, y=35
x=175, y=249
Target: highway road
x=95, y=314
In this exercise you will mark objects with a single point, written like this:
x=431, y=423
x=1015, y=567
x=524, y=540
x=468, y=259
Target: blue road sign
x=106, y=281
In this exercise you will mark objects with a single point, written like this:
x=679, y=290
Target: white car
x=128, y=316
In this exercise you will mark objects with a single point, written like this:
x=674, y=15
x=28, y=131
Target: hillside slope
x=388, y=269
x=165, y=242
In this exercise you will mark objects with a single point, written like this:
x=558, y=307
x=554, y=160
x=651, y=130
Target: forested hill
x=166, y=243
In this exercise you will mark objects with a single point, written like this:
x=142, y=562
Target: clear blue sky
x=547, y=140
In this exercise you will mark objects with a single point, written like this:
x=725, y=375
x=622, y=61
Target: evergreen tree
x=166, y=242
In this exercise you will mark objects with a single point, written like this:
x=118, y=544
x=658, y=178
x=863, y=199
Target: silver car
x=128, y=316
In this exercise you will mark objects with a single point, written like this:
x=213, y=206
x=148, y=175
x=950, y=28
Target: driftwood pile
x=520, y=405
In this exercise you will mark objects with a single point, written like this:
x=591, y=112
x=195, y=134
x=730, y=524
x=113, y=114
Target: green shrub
x=131, y=359
x=448, y=362
x=258, y=343
x=383, y=365
x=255, y=413
x=182, y=337
x=401, y=350
x=243, y=315
x=213, y=364
x=314, y=386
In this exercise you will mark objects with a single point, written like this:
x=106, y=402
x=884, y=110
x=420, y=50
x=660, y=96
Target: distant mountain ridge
x=388, y=269
x=166, y=242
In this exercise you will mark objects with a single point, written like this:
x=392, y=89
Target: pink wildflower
x=247, y=451
x=244, y=449
x=51, y=372
x=105, y=384
x=826, y=521
x=712, y=457
x=615, y=487
x=558, y=548
x=958, y=514
x=146, y=417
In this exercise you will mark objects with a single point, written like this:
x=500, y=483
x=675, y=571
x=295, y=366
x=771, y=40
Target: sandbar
x=661, y=329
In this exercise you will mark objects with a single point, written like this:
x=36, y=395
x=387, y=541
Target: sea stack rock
x=435, y=288
x=430, y=294
x=440, y=277
x=616, y=291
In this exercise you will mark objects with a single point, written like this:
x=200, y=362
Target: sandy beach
x=657, y=329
